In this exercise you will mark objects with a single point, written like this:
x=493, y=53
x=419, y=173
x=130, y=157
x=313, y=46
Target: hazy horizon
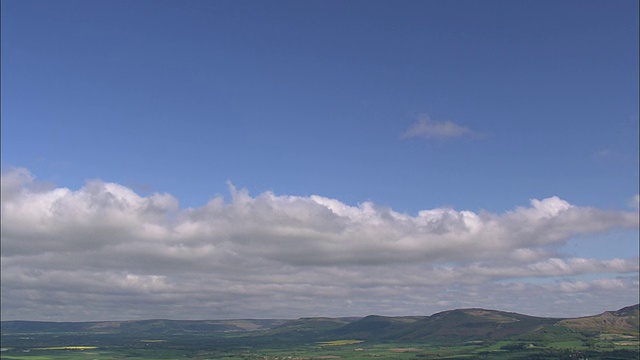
x=306, y=317
x=256, y=159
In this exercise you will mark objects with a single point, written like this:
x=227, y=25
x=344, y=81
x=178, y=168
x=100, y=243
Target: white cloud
x=104, y=247
x=635, y=202
x=427, y=128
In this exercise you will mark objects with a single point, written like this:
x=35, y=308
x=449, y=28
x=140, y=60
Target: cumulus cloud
x=427, y=128
x=88, y=250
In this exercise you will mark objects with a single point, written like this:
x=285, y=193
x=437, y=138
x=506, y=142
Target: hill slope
x=476, y=324
x=623, y=321
x=451, y=326
x=150, y=327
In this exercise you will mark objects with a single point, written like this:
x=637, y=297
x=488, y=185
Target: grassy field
x=338, y=349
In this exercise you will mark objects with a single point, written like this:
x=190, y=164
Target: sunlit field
x=337, y=349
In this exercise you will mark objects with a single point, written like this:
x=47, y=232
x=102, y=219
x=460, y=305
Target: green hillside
x=461, y=333
x=623, y=321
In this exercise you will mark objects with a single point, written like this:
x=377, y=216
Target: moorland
x=454, y=334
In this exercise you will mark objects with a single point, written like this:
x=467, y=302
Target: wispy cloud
x=634, y=202
x=427, y=128
x=104, y=247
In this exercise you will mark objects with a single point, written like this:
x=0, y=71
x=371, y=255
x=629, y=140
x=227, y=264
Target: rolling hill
x=623, y=321
x=449, y=326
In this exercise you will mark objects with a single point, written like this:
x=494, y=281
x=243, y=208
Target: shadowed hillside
x=449, y=326
x=377, y=327
x=475, y=324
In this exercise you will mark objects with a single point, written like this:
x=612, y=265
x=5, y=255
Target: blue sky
x=474, y=106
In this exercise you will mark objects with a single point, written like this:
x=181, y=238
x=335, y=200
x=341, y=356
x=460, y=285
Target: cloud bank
x=105, y=252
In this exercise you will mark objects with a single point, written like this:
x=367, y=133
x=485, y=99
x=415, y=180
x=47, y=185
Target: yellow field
x=153, y=341
x=67, y=348
x=339, y=342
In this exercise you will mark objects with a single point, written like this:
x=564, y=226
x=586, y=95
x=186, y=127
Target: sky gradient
x=279, y=159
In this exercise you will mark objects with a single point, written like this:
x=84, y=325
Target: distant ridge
x=451, y=325
x=155, y=326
